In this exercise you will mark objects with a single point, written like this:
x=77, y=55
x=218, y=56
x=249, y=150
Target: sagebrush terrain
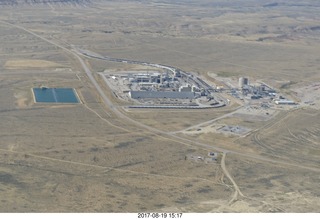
x=101, y=157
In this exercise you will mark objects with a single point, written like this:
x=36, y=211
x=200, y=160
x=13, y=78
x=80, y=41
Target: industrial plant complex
x=169, y=87
x=177, y=89
x=163, y=89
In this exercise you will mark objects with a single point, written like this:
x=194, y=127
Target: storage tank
x=243, y=81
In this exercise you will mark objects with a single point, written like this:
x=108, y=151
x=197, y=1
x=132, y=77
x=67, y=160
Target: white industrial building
x=186, y=88
x=284, y=102
x=161, y=94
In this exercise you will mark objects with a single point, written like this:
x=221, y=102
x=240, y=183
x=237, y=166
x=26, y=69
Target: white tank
x=243, y=81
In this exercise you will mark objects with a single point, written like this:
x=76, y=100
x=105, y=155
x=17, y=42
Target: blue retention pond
x=55, y=95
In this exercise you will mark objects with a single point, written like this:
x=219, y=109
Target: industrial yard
x=172, y=88
x=159, y=89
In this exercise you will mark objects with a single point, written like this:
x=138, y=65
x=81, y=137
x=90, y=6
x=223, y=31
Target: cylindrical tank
x=241, y=82
x=245, y=81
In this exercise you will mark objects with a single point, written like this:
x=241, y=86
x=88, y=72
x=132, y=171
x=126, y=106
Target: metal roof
x=161, y=94
x=284, y=102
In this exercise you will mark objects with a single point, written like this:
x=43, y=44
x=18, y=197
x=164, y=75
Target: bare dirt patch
x=30, y=63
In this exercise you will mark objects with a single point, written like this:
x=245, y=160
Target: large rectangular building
x=161, y=95
x=284, y=102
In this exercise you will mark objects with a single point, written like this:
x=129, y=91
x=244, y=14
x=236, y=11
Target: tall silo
x=241, y=82
x=245, y=81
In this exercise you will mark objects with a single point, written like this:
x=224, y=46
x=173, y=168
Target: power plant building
x=161, y=95
x=186, y=88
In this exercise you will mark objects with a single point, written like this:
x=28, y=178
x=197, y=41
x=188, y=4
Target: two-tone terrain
x=98, y=156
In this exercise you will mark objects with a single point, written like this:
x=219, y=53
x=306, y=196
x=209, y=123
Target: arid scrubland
x=93, y=157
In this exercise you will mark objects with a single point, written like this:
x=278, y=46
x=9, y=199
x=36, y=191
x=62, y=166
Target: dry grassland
x=175, y=120
x=25, y=64
x=294, y=137
x=63, y=150
x=270, y=187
